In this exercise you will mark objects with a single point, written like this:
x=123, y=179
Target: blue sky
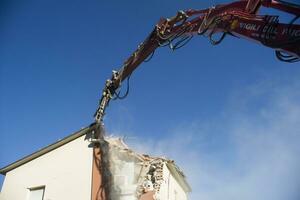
x=228, y=114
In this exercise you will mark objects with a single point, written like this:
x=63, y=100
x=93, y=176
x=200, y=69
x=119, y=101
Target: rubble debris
x=138, y=176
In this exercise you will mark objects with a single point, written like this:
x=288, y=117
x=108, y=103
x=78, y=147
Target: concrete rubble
x=142, y=177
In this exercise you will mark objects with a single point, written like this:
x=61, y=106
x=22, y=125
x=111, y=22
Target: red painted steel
x=239, y=19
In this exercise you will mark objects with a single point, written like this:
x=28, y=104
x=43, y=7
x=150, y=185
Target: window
x=36, y=193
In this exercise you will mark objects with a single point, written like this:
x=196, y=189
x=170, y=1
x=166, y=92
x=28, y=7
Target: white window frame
x=42, y=187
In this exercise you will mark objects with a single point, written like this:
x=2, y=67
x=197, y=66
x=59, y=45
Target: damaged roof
x=174, y=169
x=117, y=142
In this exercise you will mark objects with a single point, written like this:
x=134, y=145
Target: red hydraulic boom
x=239, y=19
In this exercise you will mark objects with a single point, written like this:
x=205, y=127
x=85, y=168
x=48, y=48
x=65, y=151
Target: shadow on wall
x=101, y=174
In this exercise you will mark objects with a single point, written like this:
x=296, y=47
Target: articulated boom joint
x=111, y=85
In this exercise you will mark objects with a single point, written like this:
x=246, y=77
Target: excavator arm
x=238, y=19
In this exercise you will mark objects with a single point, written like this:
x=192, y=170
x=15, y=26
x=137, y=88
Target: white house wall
x=170, y=188
x=65, y=172
x=125, y=171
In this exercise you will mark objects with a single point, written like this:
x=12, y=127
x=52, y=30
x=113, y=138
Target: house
x=86, y=165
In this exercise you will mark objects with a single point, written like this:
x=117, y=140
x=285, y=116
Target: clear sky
x=228, y=114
